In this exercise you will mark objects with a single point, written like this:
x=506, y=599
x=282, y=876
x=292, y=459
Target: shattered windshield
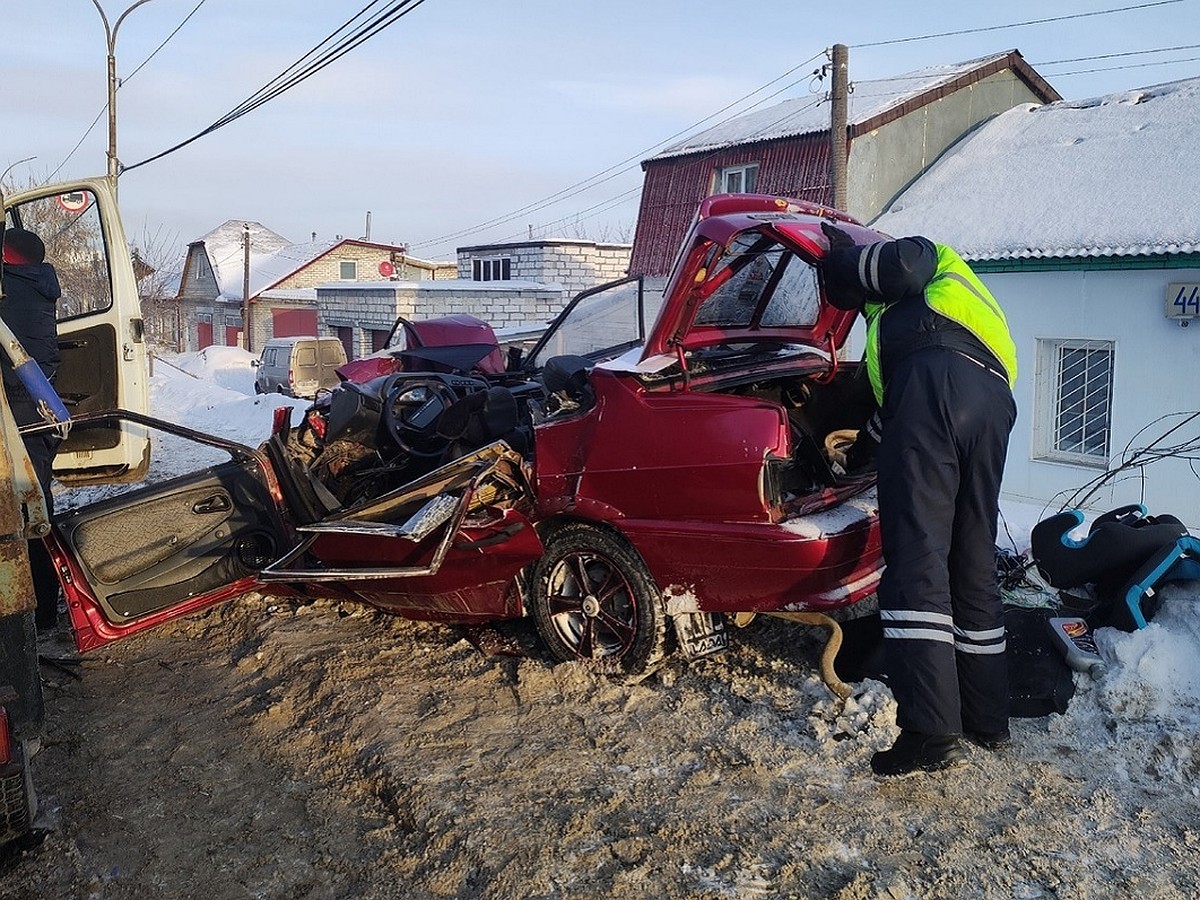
x=769, y=287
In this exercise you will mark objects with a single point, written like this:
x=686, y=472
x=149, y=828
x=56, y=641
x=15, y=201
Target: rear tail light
x=281, y=422
x=6, y=751
x=291, y=378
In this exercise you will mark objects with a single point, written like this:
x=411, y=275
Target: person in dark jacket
x=31, y=292
x=942, y=365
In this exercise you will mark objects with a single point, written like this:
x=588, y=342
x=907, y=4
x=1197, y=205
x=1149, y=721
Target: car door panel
x=100, y=330
x=171, y=543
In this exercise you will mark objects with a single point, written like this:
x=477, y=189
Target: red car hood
x=796, y=224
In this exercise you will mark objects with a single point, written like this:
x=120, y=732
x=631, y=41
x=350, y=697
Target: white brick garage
x=368, y=309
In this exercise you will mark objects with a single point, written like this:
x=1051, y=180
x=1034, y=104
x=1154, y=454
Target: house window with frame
x=348, y=270
x=737, y=179
x=497, y=268
x=1074, y=401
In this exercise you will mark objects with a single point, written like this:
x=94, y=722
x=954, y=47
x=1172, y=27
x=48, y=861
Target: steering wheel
x=412, y=408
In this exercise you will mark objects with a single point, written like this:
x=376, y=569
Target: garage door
x=293, y=322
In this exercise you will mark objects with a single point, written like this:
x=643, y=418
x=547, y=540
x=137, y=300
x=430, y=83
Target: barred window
x=1075, y=380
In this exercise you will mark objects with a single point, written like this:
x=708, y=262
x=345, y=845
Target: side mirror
x=256, y=363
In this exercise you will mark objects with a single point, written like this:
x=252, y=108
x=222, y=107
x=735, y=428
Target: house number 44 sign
x=1183, y=301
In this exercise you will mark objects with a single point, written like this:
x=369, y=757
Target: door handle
x=215, y=503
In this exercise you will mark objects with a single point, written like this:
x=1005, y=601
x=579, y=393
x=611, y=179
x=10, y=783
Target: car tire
x=615, y=622
x=257, y=388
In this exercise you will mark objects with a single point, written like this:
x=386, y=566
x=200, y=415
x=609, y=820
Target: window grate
x=1083, y=398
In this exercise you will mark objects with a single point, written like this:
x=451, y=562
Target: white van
x=299, y=366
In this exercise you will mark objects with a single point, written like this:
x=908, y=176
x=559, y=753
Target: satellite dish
x=386, y=269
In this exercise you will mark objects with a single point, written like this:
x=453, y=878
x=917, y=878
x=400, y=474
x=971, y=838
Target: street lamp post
x=110, y=35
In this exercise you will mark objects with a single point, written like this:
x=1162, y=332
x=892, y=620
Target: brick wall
x=575, y=265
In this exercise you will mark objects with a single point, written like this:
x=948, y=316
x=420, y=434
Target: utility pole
x=837, y=126
x=110, y=37
x=247, y=340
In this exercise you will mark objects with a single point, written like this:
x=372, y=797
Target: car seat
x=1125, y=555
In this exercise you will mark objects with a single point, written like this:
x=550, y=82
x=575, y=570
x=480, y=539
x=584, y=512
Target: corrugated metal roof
x=1107, y=177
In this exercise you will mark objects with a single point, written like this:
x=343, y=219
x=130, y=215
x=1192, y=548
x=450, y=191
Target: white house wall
x=1154, y=368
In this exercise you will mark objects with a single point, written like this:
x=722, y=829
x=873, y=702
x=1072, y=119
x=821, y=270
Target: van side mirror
x=256, y=363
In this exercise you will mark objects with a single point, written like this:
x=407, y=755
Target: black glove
x=838, y=239
x=842, y=287
x=860, y=458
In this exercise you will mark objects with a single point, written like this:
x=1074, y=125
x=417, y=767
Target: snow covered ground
x=324, y=750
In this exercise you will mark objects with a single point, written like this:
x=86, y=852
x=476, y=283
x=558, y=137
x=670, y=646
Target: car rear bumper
x=818, y=561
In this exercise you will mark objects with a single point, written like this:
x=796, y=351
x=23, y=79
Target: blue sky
x=464, y=111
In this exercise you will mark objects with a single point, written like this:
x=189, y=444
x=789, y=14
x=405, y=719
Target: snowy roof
x=272, y=257
x=1110, y=176
x=868, y=100
x=226, y=255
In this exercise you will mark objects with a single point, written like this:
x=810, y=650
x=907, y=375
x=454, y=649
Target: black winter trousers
x=946, y=422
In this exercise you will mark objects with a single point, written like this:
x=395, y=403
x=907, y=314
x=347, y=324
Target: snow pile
x=212, y=392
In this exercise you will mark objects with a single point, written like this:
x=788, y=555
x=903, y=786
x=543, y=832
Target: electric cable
x=121, y=84
x=1046, y=21
x=592, y=181
x=1145, y=65
x=1059, y=62
x=615, y=201
x=302, y=69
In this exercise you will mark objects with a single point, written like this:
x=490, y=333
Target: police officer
x=942, y=365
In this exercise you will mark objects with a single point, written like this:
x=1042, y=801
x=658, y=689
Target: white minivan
x=299, y=366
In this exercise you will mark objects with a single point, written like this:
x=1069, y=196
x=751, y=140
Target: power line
x=303, y=68
x=1055, y=62
x=595, y=180
x=1100, y=12
x=611, y=202
x=1145, y=65
x=195, y=9
x=121, y=84
x=571, y=191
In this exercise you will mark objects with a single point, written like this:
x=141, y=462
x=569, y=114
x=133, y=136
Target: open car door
x=444, y=546
x=104, y=364
x=160, y=551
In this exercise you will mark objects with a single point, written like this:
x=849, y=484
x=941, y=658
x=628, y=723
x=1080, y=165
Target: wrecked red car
x=633, y=480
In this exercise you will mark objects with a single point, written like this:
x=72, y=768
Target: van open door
x=100, y=336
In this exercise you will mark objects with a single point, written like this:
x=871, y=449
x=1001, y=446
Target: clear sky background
x=464, y=112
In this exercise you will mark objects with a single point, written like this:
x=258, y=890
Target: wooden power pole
x=837, y=125
x=247, y=341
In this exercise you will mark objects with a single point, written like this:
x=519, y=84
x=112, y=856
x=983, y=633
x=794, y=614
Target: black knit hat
x=21, y=246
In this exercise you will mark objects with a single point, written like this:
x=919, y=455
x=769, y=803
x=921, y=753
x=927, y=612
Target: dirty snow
x=274, y=749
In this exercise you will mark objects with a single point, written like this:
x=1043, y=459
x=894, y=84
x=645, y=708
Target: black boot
x=990, y=740
x=915, y=752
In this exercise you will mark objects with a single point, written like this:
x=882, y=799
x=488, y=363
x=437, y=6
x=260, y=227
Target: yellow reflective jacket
x=956, y=293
